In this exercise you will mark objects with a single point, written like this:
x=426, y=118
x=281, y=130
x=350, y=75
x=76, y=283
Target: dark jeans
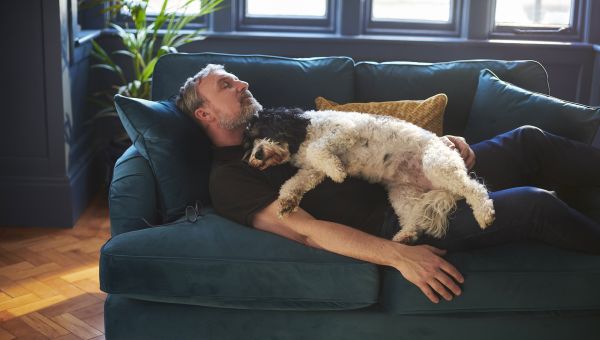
x=522, y=169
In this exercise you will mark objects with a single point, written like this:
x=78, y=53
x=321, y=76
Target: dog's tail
x=434, y=209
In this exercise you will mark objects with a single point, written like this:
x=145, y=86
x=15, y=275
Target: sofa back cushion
x=458, y=79
x=274, y=81
x=500, y=106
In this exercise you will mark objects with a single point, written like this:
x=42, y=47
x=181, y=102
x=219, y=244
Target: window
x=154, y=6
x=541, y=19
x=412, y=10
x=286, y=15
x=422, y=17
x=286, y=8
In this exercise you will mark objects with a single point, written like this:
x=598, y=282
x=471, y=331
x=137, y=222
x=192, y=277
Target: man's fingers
x=470, y=161
x=464, y=153
x=440, y=289
x=448, y=282
x=426, y=289
x=450, y=269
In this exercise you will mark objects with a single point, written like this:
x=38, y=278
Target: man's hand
x=423, y=266
x=460, y=145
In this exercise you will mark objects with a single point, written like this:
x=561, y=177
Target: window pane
x=412, y=10
x=286, y=8
x=154, y=6
x=546, y=13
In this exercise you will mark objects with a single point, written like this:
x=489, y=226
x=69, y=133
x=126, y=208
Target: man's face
x=228, y=99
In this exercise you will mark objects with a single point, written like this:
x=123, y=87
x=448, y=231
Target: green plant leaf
x=124, y=52
x=149, y=69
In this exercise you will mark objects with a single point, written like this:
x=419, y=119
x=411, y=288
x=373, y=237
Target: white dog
x=423, y=176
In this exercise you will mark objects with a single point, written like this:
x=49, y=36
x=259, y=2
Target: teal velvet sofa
x=174, y=269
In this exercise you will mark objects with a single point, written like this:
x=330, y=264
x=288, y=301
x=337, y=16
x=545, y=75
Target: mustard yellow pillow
x=428, y=113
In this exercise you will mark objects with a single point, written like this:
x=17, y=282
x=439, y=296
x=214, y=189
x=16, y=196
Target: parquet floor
x=49, y=279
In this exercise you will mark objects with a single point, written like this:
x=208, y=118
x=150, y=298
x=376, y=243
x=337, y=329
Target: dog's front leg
x=293, y=189
x=320, y=155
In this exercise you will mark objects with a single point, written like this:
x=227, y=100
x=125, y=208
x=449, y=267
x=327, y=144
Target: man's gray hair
x=188, y=99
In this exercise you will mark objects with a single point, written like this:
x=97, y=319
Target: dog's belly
x=410, y=172
x=404, y=168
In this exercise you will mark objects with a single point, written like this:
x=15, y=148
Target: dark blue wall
x=47, y=170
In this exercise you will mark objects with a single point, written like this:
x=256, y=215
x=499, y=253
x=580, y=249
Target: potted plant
x=149, y=38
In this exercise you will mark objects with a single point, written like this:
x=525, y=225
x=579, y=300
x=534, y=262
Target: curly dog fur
x=424, y=177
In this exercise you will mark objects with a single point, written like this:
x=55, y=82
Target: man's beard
x=249, y=108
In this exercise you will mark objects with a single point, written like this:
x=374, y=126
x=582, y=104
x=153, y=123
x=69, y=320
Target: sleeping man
x=521, y=168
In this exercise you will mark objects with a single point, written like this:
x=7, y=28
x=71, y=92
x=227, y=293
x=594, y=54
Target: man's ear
x=202, y=115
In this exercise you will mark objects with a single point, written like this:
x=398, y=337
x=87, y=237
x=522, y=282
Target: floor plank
x=44, y=325
x=49, y=285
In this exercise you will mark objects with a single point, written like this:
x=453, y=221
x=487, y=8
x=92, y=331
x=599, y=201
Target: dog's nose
x=259, y=154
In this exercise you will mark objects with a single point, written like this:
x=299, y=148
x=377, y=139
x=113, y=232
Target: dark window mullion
x=350, y=17
x=478, y=19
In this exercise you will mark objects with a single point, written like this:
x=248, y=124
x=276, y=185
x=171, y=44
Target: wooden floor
x=49, y=279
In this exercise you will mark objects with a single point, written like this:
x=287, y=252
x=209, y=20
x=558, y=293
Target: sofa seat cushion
x=386, y=81
x=219, y=263
x=520, y=277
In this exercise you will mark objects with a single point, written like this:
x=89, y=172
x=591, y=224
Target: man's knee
x=533, y=198
x=529, y=132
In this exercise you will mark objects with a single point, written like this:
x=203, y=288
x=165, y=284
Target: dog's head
x=273, y=136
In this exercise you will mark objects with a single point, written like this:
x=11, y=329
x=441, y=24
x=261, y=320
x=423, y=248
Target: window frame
x=572, y=33
x=397, y=27
x=287, y=24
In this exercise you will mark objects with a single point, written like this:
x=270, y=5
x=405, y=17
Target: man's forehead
x=219, y=74
x=211, y=79
x=216, y=76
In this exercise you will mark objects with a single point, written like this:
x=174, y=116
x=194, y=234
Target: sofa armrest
x=132, y=195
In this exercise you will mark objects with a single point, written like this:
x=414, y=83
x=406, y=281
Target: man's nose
x=242, y=85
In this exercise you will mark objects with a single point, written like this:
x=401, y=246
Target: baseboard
x=48, y=201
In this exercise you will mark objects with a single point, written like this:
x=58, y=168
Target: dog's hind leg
x=405, y=201
x=293, y=189
x=445, y=169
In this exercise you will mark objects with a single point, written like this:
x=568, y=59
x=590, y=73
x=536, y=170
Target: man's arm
x=421, y=265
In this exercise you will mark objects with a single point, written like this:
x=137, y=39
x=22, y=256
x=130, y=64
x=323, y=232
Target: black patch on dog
x=282, y=125
x=385, y=157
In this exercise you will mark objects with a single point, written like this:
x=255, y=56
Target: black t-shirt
x=239, y=191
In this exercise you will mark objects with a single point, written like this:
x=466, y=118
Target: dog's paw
x=287, y=206
x=338, y=175
x=405, y=237
x=485, y=214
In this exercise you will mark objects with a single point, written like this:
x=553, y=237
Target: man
x=348, y=218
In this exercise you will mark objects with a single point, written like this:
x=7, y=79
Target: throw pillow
x=176, y=148
x=500, y=106
x=428, y=113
